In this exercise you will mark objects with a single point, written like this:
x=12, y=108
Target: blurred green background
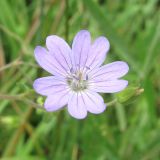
x=128, y=130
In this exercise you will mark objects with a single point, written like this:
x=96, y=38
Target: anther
x=88, y=68
x=87, y=77
x=71, y=70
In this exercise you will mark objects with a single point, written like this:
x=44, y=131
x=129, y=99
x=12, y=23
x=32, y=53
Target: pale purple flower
x=78, y=74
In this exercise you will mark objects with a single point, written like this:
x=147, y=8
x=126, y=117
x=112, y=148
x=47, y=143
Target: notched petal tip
x=83, y=31
x=124, y=65
x=52, y=37
x=53, y=41
x=77, y=113
x=104, y=41
x=55, y=102
x=78, y=116
x=123, y=85
x=38, y=51
x=36, y=86
x=101, y=110
x=94, y=102
x=121, y=67
x=81, y=35
x=49, y=108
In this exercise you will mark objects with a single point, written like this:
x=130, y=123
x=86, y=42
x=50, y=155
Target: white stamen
x=78, y=80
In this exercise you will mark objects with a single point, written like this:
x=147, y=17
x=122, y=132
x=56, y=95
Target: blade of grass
x=108, y=29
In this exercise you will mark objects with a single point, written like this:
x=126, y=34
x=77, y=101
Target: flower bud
x=129, y=93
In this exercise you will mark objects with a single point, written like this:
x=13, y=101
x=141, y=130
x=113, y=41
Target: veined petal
x=80, y=48
x=76, y=106
x=110, y=71
x=56, y=101
x=93, y=102
x=61, y=52
x=110, y=86
x=49, y=85
x=48, y=62
x=98, y=52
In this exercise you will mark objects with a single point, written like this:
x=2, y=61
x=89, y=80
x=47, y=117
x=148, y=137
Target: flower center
x=77, y=81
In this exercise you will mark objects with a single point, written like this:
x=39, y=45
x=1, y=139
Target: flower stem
x=111, y=103
x=20, y=97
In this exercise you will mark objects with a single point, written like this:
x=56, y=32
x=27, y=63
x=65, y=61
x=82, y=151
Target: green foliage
x=129, y=128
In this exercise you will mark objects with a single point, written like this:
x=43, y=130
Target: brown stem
x=14, y=139
x=20, y=98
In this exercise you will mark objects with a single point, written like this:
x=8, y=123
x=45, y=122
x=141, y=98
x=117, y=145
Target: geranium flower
x=78, y=74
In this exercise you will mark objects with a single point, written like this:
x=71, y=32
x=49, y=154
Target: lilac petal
x=98, y=52
x=76, y=106
x=110, y=71
x=110, y=86
x=93, y=102
x=80, y=48
x=56, y=101
x=49, y=85
x=47, y=62
x=61, y=52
